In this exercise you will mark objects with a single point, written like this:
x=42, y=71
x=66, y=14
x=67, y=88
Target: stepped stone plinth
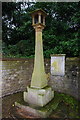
x=38, y=97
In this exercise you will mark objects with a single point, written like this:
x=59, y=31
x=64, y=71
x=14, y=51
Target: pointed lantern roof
x=33, y=13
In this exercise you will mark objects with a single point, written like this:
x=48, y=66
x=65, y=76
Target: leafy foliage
x=61, y=34
x=71, y=103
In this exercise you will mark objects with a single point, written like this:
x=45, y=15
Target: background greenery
x=61, y=34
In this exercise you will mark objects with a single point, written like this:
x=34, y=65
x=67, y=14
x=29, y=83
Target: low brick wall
x=69, y=83
x=16, y=75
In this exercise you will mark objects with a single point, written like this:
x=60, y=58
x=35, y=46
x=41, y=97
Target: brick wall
x=16, y=75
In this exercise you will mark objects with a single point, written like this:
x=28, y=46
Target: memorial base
x=26, y=111
x=38, y=97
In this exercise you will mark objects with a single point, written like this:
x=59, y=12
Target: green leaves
x=61, y=34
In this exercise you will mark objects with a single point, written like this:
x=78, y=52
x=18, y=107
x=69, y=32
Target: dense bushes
x=61, y=34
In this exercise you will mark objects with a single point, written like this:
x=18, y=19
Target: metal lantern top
x=38, y=17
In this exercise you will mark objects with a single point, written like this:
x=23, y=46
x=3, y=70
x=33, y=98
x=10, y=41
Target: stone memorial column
x=39, y=79
x=38, y=93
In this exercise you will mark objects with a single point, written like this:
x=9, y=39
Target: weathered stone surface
x=41, y=112
x=58, y=64
x=39, y=79
x=38, y=97
x=16, y=75
x=69, y=83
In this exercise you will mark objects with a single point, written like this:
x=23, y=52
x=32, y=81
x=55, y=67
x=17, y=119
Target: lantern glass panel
x=36, y=19
x=42, y=19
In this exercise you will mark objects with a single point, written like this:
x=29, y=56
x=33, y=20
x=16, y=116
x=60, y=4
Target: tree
x=61, y=34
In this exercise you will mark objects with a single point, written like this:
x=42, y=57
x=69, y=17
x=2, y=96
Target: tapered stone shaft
x=39, y=79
